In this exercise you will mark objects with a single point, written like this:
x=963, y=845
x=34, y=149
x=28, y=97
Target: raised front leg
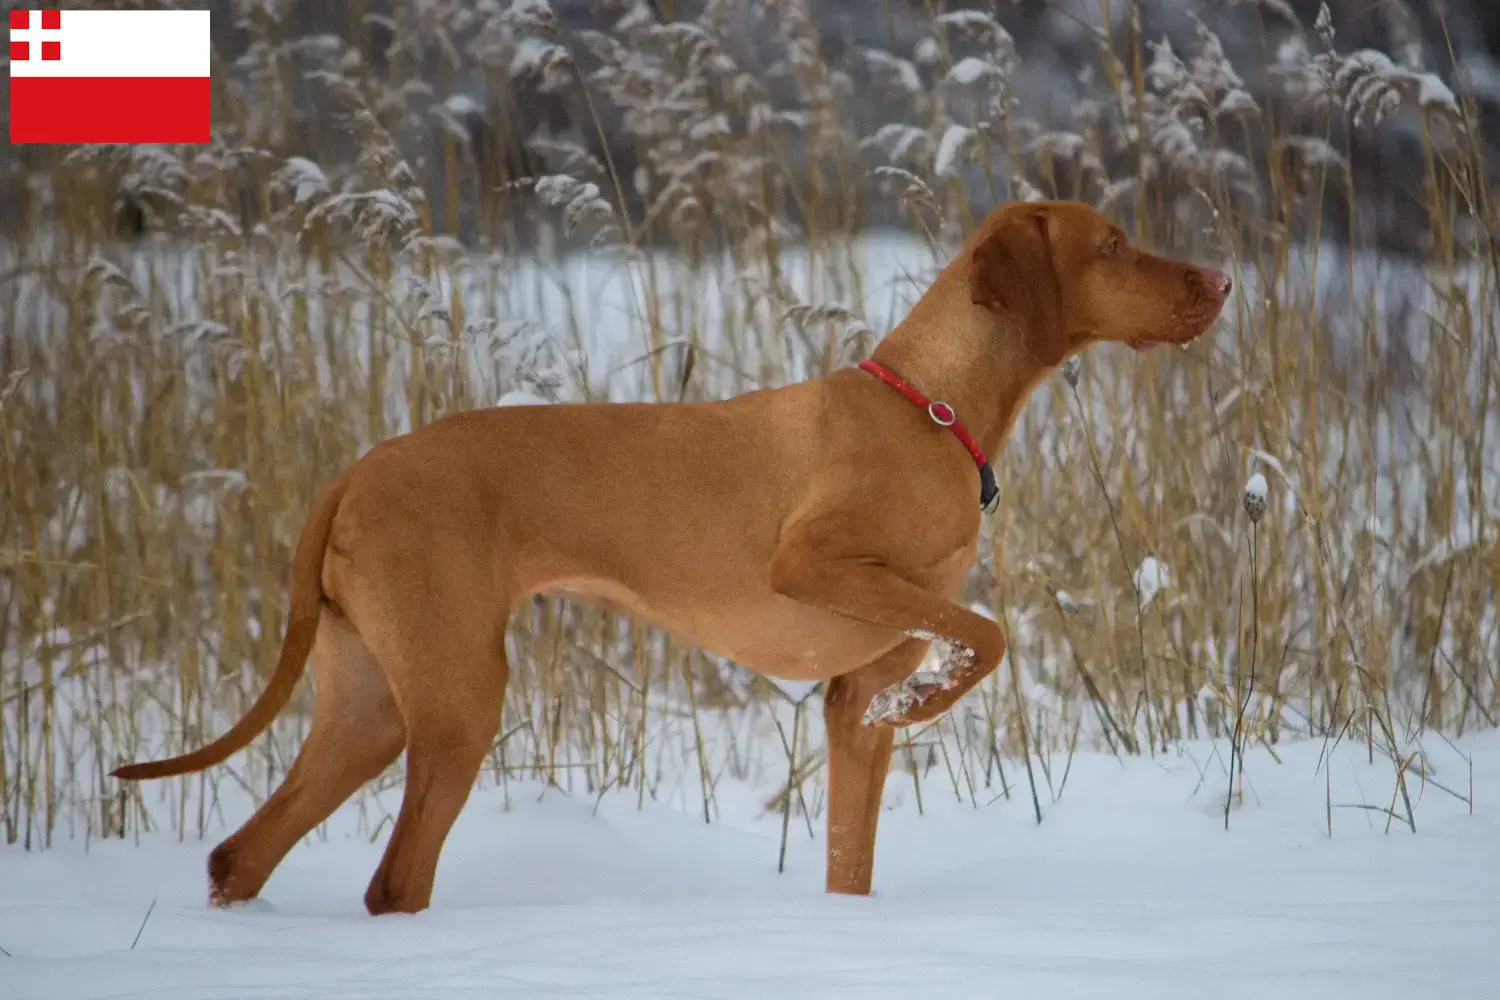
x=859, y=758
x=842, y=557
x=922, y=697
x=972, y=644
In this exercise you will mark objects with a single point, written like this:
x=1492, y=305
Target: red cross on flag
x=109, y=76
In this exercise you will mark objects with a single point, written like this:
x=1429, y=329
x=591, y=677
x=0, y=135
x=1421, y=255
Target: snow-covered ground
x=1129, y=888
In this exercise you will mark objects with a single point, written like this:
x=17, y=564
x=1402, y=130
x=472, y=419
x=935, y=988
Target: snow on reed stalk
x=195, y=339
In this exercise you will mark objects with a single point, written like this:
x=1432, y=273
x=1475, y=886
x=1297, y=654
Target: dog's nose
x=1217, y=280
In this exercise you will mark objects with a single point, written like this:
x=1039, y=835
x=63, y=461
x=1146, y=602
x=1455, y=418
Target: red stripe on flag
x=109, y=109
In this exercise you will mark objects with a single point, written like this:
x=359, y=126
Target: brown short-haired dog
x=815, y=531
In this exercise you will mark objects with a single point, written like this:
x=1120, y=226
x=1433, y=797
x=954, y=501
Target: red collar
x=942, y=414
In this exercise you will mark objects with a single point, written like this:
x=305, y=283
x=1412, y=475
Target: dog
x=816, y=532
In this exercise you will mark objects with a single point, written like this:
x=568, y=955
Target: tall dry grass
x=172, y=401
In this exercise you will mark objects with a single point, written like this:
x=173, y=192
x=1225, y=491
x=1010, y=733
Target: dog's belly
x=767, y=633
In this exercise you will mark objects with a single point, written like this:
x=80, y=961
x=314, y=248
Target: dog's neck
x=953, y=350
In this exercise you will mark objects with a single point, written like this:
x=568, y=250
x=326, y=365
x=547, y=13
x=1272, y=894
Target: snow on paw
x=897, y=704
x=892, y=704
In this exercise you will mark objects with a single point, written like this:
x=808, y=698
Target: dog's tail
x=301, y=630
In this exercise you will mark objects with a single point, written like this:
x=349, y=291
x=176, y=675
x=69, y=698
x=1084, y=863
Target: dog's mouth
x=1194, y=330
x=1194, y=326
x=1208, y=291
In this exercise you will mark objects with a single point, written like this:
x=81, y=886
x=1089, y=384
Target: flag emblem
x=109, y=76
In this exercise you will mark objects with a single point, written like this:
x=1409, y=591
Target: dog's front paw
x=894, y=706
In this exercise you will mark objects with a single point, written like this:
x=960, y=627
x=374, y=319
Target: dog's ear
x=1011, y=273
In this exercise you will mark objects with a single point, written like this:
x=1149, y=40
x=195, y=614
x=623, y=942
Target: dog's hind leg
x=356, y=734
x=448, y=671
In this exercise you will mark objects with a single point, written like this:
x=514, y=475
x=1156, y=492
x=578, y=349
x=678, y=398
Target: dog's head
x=1067, y=277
